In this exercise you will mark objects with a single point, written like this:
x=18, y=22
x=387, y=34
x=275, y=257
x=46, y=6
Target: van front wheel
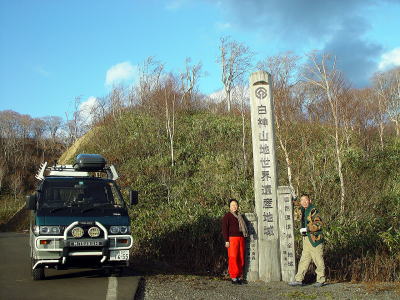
x=38, y=274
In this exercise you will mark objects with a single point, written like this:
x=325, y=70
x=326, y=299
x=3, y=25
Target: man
x=313, y=243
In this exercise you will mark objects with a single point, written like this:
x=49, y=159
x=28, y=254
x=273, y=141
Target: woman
x=234, y=231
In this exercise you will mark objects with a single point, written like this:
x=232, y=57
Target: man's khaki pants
x=311, y=253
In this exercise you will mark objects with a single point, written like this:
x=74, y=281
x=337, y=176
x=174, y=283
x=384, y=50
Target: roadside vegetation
x=178, y=218
x=25, y=142
x=188, y=154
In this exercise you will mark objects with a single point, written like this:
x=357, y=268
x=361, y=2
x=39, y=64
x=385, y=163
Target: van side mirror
x=31, y=202
x=133, y=197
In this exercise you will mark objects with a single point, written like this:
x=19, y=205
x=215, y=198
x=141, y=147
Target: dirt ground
x=210, y=288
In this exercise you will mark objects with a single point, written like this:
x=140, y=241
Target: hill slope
x=178, y=216
x=181, y=205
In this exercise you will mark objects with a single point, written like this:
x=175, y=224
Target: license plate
x=119, y=255
x=86, y=244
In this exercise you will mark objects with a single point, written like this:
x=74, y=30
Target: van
x=79, y=218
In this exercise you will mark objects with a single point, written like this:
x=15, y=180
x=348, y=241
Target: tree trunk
x=228, y=99
x=288, y=163
x=381, y=128
x=244, y=140
x=285, y=152
x=397, y=127
x=334, y=108
x=170, y=126
x=339, y=166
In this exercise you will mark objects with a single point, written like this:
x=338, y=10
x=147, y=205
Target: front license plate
x=119, y=255
x=86, y=244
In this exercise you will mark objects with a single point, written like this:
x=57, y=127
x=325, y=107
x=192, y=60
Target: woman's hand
x=227, y=244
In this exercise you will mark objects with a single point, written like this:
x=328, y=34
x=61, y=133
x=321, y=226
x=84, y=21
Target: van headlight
x=47, y=230
x=120, y=229
x=123, y=229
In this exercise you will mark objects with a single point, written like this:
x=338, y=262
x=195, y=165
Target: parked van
x=79, y=218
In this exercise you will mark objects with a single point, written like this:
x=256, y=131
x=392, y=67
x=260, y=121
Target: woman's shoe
x=295, y=283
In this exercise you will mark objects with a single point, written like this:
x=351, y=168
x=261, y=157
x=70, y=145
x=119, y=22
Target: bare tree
x=184, y=89
x=381, y=87
x=16, y=182
x=150, y=75
x=25, y=126
x=53, y=125
x=287, y=106
x=394, y=102
x=170, y=122
x=38, y=128
x=188, y=81
x=365, y=113
x=75, y=124
x=377, y=104
x=3, y=172
x=322, y=74
x=99, y=111
x=235, y=60
x=241, y=95
x=9, y=132
x=116, y=99
x=387, y=87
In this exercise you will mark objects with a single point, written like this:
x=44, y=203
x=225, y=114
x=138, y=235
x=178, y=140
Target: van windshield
x=79, y=192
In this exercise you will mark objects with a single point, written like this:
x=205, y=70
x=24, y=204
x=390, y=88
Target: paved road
x=16, y=282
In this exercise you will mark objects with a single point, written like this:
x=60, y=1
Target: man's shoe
x=234, y=281
x=319, y=284
x=295, y=283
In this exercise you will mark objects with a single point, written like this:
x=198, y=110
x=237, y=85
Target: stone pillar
x=286, y=233
x=265, y=175
x=251, y=265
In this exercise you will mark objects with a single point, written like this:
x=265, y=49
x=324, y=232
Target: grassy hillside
x=178, y=217
x=180, y=206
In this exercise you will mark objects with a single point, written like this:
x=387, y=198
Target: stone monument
x=265, y=176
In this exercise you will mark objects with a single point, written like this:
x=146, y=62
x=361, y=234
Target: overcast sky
x=52, y=51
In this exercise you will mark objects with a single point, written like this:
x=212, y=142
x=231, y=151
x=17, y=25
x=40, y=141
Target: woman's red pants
x=236, y=256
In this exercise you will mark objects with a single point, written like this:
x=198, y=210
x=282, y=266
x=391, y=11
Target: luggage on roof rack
x=89, y=162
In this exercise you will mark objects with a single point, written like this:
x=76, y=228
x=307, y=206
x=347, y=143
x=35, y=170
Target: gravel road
x=210, y=288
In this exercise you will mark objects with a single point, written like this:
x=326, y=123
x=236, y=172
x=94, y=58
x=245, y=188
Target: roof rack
x=70, y=171
x=84, y=164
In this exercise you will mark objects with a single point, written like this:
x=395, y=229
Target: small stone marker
x=286, y=233
x=251, y=265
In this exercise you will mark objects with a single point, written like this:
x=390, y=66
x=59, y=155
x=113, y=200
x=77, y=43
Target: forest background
x=187, y=154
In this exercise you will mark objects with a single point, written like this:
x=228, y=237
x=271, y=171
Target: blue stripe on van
x=66, y=220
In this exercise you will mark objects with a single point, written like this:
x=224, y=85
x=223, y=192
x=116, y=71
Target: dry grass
x=372, y=268
x=8, y=207
x=374, y=287
x=70, y=153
